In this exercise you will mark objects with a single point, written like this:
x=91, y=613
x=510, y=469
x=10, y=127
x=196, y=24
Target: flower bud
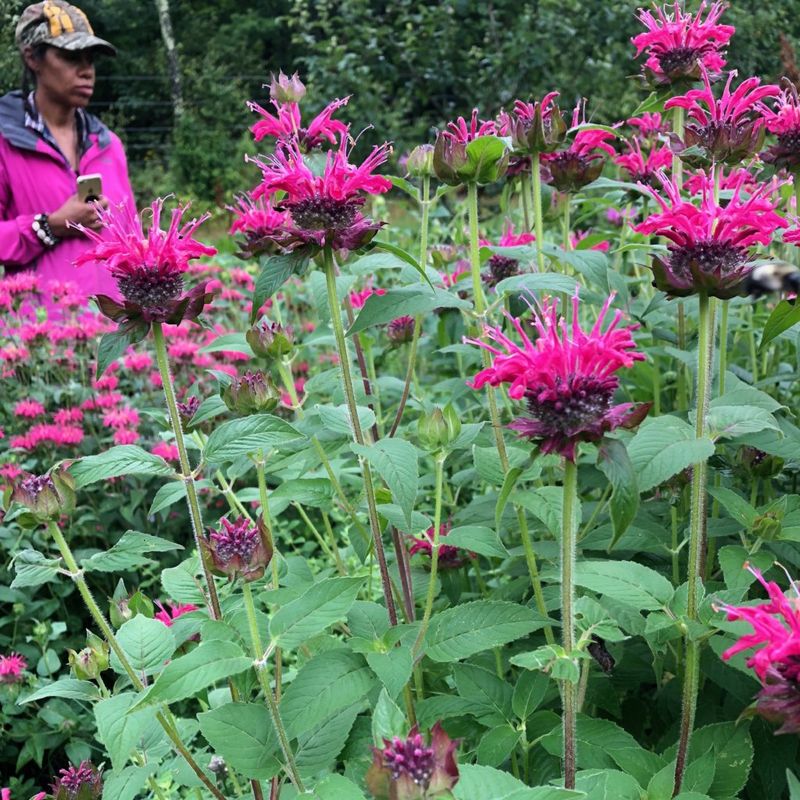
x=420, y=161
x=187, y=409
x=47, y=496
x=83, y=782
x=439, y=429
x=91, y=661
x=408, y=769
x=482, y=160
x=270, y=340
x=251, y=393
x=238, y=548
x=122, y=607
x=401, y=330
x=284, y=89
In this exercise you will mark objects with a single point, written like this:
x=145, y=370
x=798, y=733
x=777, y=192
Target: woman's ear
x=30, y=59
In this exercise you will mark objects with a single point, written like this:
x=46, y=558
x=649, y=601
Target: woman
x=48, y=139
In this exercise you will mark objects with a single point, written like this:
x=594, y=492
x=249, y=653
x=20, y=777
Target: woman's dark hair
x=28, y=75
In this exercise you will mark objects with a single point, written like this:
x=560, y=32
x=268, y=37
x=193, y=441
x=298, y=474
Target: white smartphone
x=90, y=187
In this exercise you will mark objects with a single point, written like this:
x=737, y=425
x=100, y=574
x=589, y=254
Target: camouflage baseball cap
x=58, y=24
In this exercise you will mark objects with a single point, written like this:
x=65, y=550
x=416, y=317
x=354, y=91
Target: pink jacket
x=35, y=179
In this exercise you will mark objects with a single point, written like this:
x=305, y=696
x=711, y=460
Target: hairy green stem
x=566, y=223
x=263, y=679
x=538, y=220
x=186, y=470
x=568, y=688
x=76, y=573
x=474, y=253
x=358, y=435
x=525, y=192
x=697, y=525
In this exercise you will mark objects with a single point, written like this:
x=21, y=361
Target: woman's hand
x=78, y=213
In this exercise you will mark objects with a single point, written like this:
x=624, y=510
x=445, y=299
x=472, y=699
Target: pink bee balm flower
x=678, y=44
x=640, y=167
x=66, y=415
x=259, y=221
x=462, y=131
x=576, y=237
x=166, y=451
x=401, y=330
x=450, y=557
x=11, y=668
x=727, y=130
x=286, y=124
x=83, y=782
x=650, y=124
x=175, y=610
x=357, y=299
x=148, y=267
x=29, y=409
x=567, y=377
x=582, y=162
x=410, y=769
x=784, y=121
x=776, y=630
x=710, y=244
x=138, y=362
x=324, y=207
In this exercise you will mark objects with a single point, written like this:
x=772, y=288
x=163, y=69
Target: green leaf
x=489, y=695
x=387, y=719
x=478, y=782
x=68, y=688
x=509, y=482
x=308, y=492
x=733, y=558
x=32, y=568
x=239, y=437
x=125, y=459
x=733, y=750
x=405, y=300
x=725, y=422
x=403, y=256
x=121, y=732
x=147, y=643
x=202, y=667
x=322, y=604
x=783, y=317
x=545, y=503
x=529, y=691
x=626, y=582
x=464, y=630
x=336, y=419
x=337, y=787
x=794, y=785
x=182, y=584
x=397, y=462
x=243, y=734
x=392, y=667
x=484, y=154
x=328, y=683
x=496, y=745
x=535, y=282
x=128, y=783
x=608, y=784
x=111, y=347
x=317, y=749
x=615, y=464
x=275, y=271
x=129, y=552
x=211, y=407
x=663, y=447
x=478, y=539
x=229, y=342
x=735, y=505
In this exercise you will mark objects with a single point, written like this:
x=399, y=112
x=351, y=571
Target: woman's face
x=66, y=76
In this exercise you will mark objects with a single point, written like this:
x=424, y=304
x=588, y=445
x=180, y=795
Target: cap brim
x=83, y=41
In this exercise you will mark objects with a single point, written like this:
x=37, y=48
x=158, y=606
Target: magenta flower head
x=567, y=377
x=259, y=222
x=650, y=125
x=728, y=130
x=469, y=152
x=324, y=204
x=679, y=44
x=148, y=267
x=238, y=548
x=783, y=120
x=499, y=266
x=83, y=782
x=536, y=127
x=401, y=330
x=47, y=497
x=776, y=626
x=582, y=162
x=710, y=244
x=410, y=769
x=11, y=668
x=644, y=168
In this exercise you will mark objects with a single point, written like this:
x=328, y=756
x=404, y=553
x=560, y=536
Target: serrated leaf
x=68, y=688
x=535, y=282
x=529, y=691
x=127, y=783
x=403, y=255
x=191, y=673
x=336, y=419
x=274, y=272
x=464, y=630
x=182, y=583
x=615, y=464
x=509, y=482
x=308, y=492
x=228, y=342
x=243, y=734
x=33, y=568
x=147, y=643
x=725, y=422
x=393, y=668
x=112, y=346
x=478, y=539
x=328, y=683
x=735, y=505
x=478, y=782
x=626, y=582
x=337, y=787
x=397, y=462
x=322, y=604
x=125, y=459
x=783, y=317
x=121, y=732
x=496, y=745
x=663, y=447
x=239, y=437
x=129, y=552
x=388, y=720
x=318, y=748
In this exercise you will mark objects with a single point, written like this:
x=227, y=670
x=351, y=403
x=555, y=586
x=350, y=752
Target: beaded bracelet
x=41, y=227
